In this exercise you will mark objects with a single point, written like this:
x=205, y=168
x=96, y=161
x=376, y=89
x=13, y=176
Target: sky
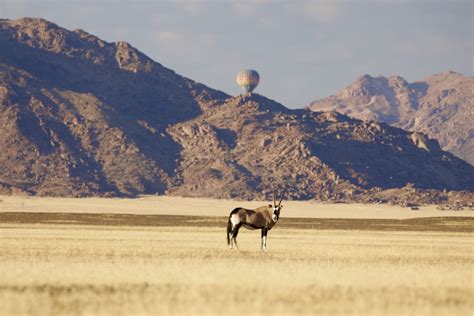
x=303, y=49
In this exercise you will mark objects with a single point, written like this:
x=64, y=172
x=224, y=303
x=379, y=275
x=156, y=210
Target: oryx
x=264, y=218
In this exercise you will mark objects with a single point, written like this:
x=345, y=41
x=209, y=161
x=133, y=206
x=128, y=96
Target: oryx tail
x=229, y=229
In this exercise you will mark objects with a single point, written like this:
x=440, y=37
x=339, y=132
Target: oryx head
x=277, y=207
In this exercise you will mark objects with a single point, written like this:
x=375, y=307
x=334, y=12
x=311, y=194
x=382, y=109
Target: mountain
x=247, y=145
x=440, y=106
x=80, y=116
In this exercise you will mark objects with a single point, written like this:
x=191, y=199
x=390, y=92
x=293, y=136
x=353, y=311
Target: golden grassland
x=54, y=263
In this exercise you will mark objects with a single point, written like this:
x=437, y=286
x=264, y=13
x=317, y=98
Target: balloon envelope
x=248, y=79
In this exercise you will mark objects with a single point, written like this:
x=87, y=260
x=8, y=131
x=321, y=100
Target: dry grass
x=121, y=270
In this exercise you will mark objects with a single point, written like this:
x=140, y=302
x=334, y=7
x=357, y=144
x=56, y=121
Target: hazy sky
x=302, y=49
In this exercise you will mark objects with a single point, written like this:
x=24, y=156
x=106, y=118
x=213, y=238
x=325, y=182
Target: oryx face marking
x=276, y=213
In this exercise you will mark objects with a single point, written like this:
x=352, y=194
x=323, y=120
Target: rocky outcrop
x=245, y=146
x=440, y=106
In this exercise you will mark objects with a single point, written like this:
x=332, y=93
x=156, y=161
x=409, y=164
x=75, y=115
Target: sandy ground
x=165, y=205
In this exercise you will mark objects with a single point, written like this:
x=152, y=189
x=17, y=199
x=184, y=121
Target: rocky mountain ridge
x=80, y=116
x=78, y=109
x=440, y=106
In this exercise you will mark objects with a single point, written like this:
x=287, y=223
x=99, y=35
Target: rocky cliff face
x=440, y=106
x=245, y=146
x=80, y=116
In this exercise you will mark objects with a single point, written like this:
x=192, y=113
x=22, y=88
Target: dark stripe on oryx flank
x=253, y=226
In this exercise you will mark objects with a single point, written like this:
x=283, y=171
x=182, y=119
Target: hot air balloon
x=248, y=80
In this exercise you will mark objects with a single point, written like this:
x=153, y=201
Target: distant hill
x=80, y=116
x=441, y=106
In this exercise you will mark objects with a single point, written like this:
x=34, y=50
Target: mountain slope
x=80, y=116
x=441, y=106
x=83, y=115
x=245, y=146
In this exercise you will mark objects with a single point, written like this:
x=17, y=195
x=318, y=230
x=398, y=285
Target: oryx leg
x=263, y=247
x=233, y=237
x=229, y=235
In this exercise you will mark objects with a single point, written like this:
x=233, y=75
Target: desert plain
x=168, y=256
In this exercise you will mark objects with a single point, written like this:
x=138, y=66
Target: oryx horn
x=274, y=202
x=284, y=191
